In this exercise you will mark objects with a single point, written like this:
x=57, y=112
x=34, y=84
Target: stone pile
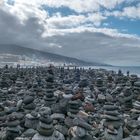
x=28, y=103
x=59, y=103
x=113, y=122
x=13, y=128
x=46, y=129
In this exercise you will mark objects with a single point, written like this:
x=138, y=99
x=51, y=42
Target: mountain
x=15, y=53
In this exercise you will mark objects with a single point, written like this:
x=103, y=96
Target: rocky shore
x=51, y=103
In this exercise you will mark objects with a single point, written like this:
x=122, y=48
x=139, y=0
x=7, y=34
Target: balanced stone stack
x=18, y=84
x=126, y=99
x=100, y=84
x=31, y=120
x=68, y=94
x=133, y=79
x=28, y=103
x=45, y=127
x=113, y=123
x=136, y=88
x=4, y=82
x=46, y=130
x=136, y=106
x=3, y=95
x=73, y=108
x=128, y=96
x=77, y=75
x=49, y=97
x=81, y=129
x=2, y=115
x=58, y=122
x=13, y=128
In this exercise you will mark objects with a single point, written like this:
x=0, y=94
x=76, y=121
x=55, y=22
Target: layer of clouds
x=96, y=46
x=77, y=5
x=132, y=12
x=26, y=24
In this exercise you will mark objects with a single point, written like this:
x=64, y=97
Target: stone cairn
x=80, y=130
x=13, y=129
x=126, y=99
x=28, y=103
x=77, y=75
x=49, y=97
x=100, y=84
x=2, y=115
x=136, y=103
x=31, y=120
x=46, y=129
x=73, y=108
x=113, y=123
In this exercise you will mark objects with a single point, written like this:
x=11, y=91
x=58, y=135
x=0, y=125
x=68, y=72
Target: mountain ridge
x=34, y=53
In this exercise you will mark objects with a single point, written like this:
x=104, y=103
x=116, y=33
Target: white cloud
x=25, y=11
x=1, y=2
x=110, y=4
x=65, y=22
x=132, y=12
x=77, y=5
x=96, y=18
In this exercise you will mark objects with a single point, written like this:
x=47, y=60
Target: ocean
x=132, y=70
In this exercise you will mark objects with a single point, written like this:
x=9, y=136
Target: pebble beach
x=57, y=103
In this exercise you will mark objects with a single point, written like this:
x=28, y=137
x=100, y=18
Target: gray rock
x=29, y=133
x=55, y=136
x=28, y=99
x=58, y=116
x=117, y=136
x=2, y=135
x=101, y=98
x=132, y=138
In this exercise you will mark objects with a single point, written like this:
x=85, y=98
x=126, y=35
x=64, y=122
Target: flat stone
x=115, y=124
x=13, y=123
x=45, y=126
x=132, y=138
x=29, y=133
x=133, y=124
x=19, y=104
x=55, y=136
x=45, y=132
x=109, y=117
x=28, y=100
x=45, y=110
x=113, y=113
x=13, y=129
x=57, y=116
x=101, y=98
x=62, y=129
x=137, y=84
x=109, y=98
x=81, y=123
x=47, y=120
x=30, y=106
x=110, y=107
x=118, y=135
x=31, y=123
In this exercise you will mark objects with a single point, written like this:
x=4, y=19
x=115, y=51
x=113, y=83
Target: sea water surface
x=131, y=69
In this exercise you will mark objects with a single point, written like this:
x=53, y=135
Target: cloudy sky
x=105, y=31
